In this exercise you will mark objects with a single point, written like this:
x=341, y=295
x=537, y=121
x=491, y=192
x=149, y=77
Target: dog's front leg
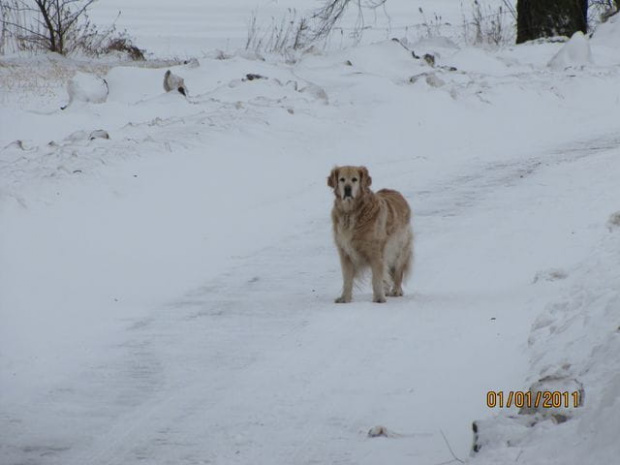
x=378, y=273
x=348, y=273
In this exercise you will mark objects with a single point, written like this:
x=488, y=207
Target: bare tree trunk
x=548, y=18
x=45, y=13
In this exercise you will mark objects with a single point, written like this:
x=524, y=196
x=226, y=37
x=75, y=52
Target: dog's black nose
x=347, y=191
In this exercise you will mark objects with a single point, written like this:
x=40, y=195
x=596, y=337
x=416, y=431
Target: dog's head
x=349, y=182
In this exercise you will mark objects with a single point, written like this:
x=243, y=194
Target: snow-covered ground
x=166, y=294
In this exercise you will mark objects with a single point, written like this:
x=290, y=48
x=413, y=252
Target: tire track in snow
x=465, y=190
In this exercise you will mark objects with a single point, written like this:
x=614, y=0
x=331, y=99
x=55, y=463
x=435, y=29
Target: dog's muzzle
x=347, y=192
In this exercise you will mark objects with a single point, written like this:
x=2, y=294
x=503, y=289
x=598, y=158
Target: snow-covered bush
x=84, y=87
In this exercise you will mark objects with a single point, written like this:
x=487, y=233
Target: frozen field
x=166, y=295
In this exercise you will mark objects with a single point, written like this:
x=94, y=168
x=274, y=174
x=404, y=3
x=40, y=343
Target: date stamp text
x=535, y=400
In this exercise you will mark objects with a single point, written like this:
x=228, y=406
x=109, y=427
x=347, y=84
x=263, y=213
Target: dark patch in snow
x=252, y=77
x=550, y=275
x=614, y=221
x=99, y=134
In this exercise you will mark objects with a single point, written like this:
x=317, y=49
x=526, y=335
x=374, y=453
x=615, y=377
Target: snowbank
x=574, y=342
x=575, y=53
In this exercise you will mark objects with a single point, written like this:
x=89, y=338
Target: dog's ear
x=365, y=179
x=332, y=179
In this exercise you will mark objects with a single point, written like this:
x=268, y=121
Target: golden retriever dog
x=371, y=230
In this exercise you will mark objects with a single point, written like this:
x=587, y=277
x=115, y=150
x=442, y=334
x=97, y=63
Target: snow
x=87, y=88
x=573, y=341
x=576, y=52
x=166, y=294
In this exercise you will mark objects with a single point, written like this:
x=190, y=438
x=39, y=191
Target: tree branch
x=450, y=448
x=334, y=10
x=37, y=34
x=77, y=15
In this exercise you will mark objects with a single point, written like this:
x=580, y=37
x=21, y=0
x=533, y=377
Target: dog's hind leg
x=389, y=284
x=397, y=288
x=401, y=269
x=378, y=272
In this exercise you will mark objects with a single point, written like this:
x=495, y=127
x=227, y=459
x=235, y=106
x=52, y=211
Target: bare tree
x=329, y=14
x=50, y=21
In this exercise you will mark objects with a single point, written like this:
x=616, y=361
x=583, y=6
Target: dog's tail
x=408, y=256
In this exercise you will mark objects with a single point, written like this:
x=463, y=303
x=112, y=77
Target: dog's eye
x=354, y=179
x=341, y=179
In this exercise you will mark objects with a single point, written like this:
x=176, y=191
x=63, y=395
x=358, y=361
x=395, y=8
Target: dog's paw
x=379, y=300
x=396, y=293
x=342, y=300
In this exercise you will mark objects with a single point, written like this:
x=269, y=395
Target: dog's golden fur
x=370, y=230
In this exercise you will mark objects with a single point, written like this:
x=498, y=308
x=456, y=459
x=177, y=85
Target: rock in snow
x=174, y=82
